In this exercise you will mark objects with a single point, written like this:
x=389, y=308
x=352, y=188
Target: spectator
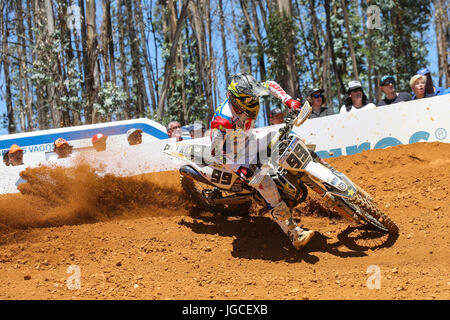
x=6, y=158
x=418, y=85
x=99, y=142
x=174, y=130
x=15, y=155
x=318, y=100
x=197, y=130
x=62, y=148
x=134, y=136
x=355, y=99
x=387, y=85
x=429, y=87
x=276, y=116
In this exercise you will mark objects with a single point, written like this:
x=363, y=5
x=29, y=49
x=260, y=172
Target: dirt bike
x=293, y=166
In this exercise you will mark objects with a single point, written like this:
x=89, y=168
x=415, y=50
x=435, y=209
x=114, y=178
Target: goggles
x=248, y=100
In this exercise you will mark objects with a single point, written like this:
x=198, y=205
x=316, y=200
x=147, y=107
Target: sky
x=431, y=58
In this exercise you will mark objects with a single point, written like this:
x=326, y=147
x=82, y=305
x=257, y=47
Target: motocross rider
x=238, y=113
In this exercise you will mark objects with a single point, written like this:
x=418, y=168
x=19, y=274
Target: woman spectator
x=317, y=101
x=355, y=99
x=418, y=84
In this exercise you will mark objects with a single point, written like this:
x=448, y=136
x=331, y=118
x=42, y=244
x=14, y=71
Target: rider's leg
x=280, y=212
x=282, y=215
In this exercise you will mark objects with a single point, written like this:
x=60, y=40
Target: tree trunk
x=260, y=58
x=285, y=7
x=5, y=62
x=77, y=113
x=136, y=72
x=350, y=41
x=148, y=65
x=238, y=45
x=92, y=51
x=30, y=39
x=155, y=73
x=442, y=34
x=212, y=60
x=224, y=43
x=25, y=108
x=318, y=53
x=200, y=34
x=123, y=60
x=67, y=42
x=56, y=113
x=170, y=60
x=339, y=84
x=41, y=105
x=106, y=37
x=249, y=22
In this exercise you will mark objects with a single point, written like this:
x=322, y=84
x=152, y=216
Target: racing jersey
x=227, y=124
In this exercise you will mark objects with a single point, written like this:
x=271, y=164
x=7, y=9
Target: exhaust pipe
x=193, y=174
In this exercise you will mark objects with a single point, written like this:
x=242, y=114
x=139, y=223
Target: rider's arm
x=277, y=91
x=219, y=125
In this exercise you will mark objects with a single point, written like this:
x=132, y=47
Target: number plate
x=296, y=156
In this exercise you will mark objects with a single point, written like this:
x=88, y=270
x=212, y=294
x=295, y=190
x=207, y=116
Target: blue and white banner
x=38, y=145
x=387, y=126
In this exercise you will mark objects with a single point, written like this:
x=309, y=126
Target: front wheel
x=367, y=211
x=202, y=194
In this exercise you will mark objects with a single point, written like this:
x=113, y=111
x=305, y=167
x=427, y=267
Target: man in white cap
x=134, y=136
x=355, y=99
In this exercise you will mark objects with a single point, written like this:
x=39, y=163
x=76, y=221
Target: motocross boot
x=298, y=236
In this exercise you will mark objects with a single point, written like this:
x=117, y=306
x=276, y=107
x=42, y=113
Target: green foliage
x=399, y=47
x=277, y=44
x=112, y=100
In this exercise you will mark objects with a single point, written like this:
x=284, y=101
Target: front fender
x=336, y=182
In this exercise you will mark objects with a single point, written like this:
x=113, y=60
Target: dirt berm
x=138, y=238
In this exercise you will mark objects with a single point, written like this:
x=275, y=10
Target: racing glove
x=244, y=173
x=293, y=104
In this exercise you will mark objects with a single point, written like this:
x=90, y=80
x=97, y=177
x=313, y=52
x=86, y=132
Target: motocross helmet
x=244, y=92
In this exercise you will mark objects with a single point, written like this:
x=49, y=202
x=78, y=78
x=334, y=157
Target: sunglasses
x=385, y=83
x=355, y=90
x=176, y=127
x=317, y=96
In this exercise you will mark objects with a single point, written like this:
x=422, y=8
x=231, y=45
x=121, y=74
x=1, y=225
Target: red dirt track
x=138, y=238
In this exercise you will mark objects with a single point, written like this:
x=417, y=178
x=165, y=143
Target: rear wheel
x=202, y=194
